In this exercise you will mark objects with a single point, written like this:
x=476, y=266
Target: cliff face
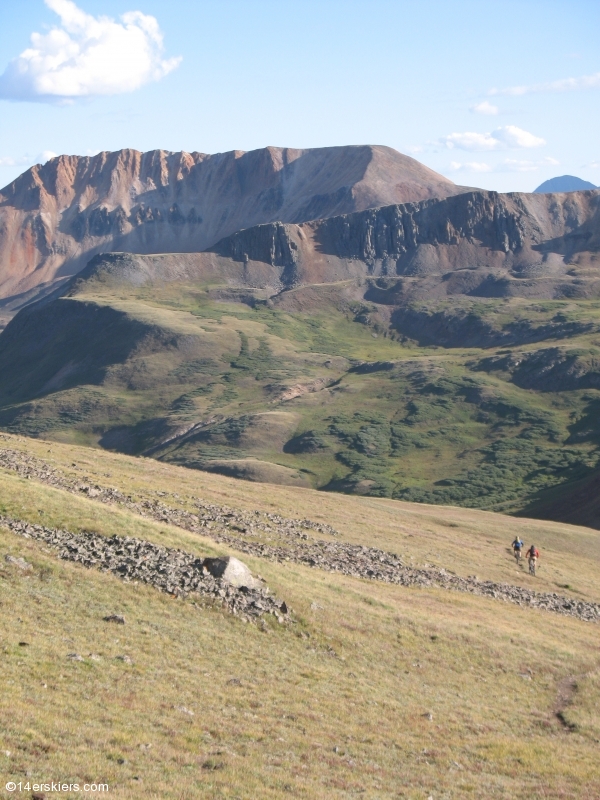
x=55, y=217
x=478, y=243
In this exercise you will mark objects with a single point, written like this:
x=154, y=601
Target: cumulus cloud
x=485, y=108
x=503, y=138
x=87, y=56
x=563, y=85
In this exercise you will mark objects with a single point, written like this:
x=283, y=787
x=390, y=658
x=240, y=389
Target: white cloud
x=564, y=85
x=8, y=161
x=515, y=165
x=515, y=137
x=503, y=138
x=27, y=161
x=470, y=166
x=593, y=164
x=470, y=141
x=87, y=56
x=485, y=108
x=507, y=165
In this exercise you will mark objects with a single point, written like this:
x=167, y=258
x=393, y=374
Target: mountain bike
x=518, y=555
x=532, y=563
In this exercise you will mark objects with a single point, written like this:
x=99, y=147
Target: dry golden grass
x=463, y=540
x=382, y=692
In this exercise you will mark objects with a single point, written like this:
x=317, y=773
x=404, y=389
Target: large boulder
x=231, y=570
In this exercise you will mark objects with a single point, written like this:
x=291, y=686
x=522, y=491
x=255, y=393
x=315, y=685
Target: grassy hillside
x=373, y=689
x=318, y=387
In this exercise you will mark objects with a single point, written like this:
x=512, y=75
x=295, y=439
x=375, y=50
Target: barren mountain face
x=55, y=217
x=477, y=243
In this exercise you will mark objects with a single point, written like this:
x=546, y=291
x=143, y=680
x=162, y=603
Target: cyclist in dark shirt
x=532, y=555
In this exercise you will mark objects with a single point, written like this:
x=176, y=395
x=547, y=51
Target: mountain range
x=55, y=217
x=342, y=318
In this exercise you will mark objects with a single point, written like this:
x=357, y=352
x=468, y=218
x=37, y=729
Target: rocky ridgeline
x=166, y=569
x=287, y=540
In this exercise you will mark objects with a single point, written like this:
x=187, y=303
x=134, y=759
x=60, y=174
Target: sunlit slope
x=371, y=688
x=466, y=541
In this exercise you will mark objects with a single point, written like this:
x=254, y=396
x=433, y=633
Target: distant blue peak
x=566, y=183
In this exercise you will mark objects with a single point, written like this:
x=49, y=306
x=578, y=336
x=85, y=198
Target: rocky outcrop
x=55, y=217
x=513, y=229
x=173, y=571
x=476, y=243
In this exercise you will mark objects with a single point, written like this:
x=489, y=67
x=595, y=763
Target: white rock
x=231, y=570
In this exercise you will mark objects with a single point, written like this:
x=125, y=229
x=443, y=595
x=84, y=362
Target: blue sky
x=500, y=95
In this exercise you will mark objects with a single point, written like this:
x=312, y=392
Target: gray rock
x=231, y=570
x=18, y=562
x=74, y=657
x=116, y=618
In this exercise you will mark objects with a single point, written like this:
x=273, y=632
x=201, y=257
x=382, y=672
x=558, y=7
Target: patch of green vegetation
x=510, y=470
x=189, y=370
x=365, y=414
x=259, y=362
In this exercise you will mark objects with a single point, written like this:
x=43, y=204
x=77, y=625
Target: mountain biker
x=532, y=555
x=517, y=546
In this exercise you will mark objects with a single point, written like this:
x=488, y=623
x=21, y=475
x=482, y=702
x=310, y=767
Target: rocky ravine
x=55, y=217
x=278, y=539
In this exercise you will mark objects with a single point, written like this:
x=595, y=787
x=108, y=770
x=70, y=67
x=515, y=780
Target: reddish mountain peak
x=55, y=217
